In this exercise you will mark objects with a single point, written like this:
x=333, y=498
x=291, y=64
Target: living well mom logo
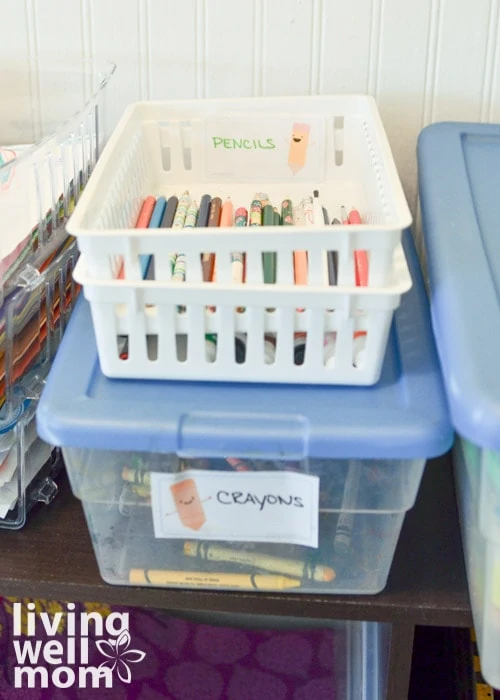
x=45, y=658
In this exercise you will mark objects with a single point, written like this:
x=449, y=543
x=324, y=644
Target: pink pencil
x=142, y=222
x=360, y=256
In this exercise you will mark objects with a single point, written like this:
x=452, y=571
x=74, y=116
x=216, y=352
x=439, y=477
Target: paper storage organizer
x=459, y=168
x=28, y=467
x=302, y=489
x=50, y=139
x=164, y=148
x=33, y=319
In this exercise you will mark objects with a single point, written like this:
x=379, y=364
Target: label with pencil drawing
x=288, y=148
x=240, y=507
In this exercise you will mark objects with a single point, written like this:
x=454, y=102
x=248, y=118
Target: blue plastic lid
x=404, y=416
x=460, y=198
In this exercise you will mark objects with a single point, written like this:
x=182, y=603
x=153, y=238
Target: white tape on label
x=273, y=506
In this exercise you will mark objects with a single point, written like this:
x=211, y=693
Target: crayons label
x=279, y=507
x=288, y=148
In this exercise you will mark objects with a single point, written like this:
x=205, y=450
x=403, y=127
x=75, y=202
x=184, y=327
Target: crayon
x=266, y=562
x=136, y=476
x=345, y=522
x=142, y=490
x=277, y=217
x=193, y=579
x=343, y=215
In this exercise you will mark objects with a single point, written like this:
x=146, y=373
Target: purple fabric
x=188, y=661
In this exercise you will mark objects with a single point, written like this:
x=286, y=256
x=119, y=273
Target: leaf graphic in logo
x=118, y=655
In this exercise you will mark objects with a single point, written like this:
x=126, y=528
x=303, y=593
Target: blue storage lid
x=459, y=176
x=403, y=416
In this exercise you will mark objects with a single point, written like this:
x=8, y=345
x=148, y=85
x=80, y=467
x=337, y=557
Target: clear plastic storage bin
x=51, y=133
x=165, y=148
x=299, y=489
x=459, y=171
x=28, y=467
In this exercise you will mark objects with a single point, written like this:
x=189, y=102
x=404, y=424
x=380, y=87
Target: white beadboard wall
x=423, y=60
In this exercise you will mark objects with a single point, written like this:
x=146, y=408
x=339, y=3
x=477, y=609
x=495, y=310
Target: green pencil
x=268, y=259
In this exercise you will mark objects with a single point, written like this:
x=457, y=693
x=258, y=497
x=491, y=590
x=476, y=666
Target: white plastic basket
x=167, y=147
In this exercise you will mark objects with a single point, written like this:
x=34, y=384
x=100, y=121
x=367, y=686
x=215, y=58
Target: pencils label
x=288, y=148
x=241, y=507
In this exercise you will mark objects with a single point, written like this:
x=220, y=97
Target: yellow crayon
x=266, y=562
x=142, y=490
x=194, y=579
x=136, y=476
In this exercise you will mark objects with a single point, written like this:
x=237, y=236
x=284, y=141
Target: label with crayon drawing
x=268, y=506
x=285, y=148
